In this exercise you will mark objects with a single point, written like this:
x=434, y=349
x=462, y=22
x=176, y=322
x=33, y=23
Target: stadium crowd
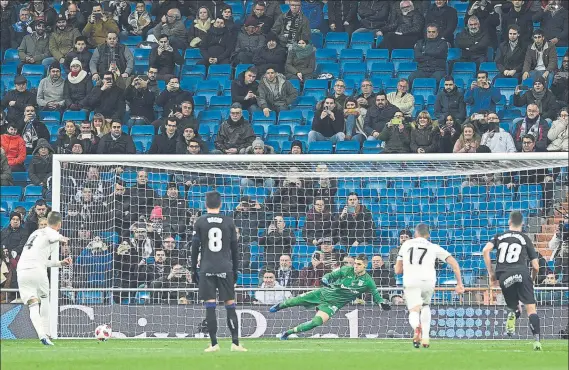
x=136, y=77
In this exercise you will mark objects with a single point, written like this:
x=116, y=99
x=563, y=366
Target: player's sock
x=44, y=313
x=232, y=323
x=309, y=325
x=414, y=319
x=534, y=326
x=425, y=322
x=211, y=319
x=37, y=322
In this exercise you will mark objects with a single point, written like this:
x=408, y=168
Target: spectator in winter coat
x=277, y=241
x=171, y=98
x=468, y=141
x=473, y=42
x=16, y=100
x=79, y=52
x=319, y=222
x=553, y=21
x=354, y=117
x=64, y=137
x=39, y=210
x=235, y=134
x=6, y=178
x=482, y=95
x=31, y=129
x=75, y=18
x=14, y=236
x=292, y=25
x=275, y=92
x=116, y=142
x=539, y=95
x=106, y=98
x=396, y=135
x=431, y=55
x=558, y=134
x=328, y=124
x=534, y=124
x=516, y=13
x=313, y=10
x=445, y=18
x=14, y=148
x=244, y=90
x=215, y=7
x=165, y=143
x=450, y=101
x=41, y=164
x=449, y=130
x=343, y=16
x=249, y=40
x=312, y=275
x=111, y=56
x=165, y=58
x=189, y=142
x=373, y=16
x=76, y=87
x=496, y=138
x=425, y=134
x=20, y=28
x=50, y=90
x=87, y=138
x=402, y=99
x=258, y=12
x=367, y=97
x=560, y=84
x=200, y=27
x=355, y=223
x=249, y=216
x=42, y=10
x=511, y=54
x=301, y=61
x=139, y=21
x=270, y=55
x=34, y=48
x=487, y=17
x=378, y=115
x=218, y=45
x=98, y=26
x=404, y=28
x=541, y=58
x=62, y=40
x=140, y=100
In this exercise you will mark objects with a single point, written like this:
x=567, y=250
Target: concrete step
x=546, y=253
x=542, y=245
x=548, y=229
x=543, y=237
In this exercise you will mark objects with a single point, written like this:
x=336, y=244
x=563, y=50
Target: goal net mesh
x=130, y=225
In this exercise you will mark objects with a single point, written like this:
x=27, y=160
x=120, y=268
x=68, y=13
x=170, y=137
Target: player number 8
x=215, y=243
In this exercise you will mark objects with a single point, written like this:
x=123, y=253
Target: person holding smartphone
x=539, y=95
x=355, y=223
x=481, y=94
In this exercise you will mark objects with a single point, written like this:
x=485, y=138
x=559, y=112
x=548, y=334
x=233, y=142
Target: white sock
x=414, y=319
x=36, y=319
x=425, y=321
x=44, y=313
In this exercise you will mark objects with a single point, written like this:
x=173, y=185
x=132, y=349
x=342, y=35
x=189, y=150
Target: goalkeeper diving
x=340, y=288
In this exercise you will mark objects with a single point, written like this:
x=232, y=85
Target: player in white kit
x=32, y=273
x=416, y=261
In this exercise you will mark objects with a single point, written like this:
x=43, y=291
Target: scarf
x=75, y=78
x=302, y=53
x=292, y=26
x=530, y=126
x=138, y=21
x=284, y=277
x=202, y=25
x=538, y=97
x=30, y=135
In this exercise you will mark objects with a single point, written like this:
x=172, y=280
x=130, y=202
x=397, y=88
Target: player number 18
x=214, y=236
x=509, y=253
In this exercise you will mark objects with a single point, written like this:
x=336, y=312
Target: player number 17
x=423, y=252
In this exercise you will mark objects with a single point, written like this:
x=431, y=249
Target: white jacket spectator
x=559, y=134
x=402, y=99
x=272, y=296
x=499, y=142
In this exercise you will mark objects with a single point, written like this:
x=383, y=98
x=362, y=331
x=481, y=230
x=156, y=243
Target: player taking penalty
x=416, y=261
x=340, y=288
x=32, y=273
x=216, y=239
x=514, y=251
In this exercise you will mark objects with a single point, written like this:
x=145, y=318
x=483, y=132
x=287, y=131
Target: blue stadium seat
x=75, y=116
x=405, y=69
x=454, y=54
x=144, y=140
x=11, y=57
x=355, y=71
x=326, y=55
x=242, y=68
x=507, y=86
x=258, y=193
x=33, y=193
x=132, y=41
x=317, y=40
x=251, y=280
x=259, y=131
x=337, y=41
x=193, y=70
x=13, y=193
x=315, y=85
x=320, y=147
x=191, y=56
x=382, y=69
x=301, y=131
x=375, y=56
x=287, y=145
x=425, y=87
x=303, y=102
x=142, y=130
x=50, y=117
x=331, y=68
x=220, y=102
x=33, y=69
x=210, y=116
x=348, y=147
x=362, y=41
x=372, y=147
x=351, y=56
x=491, y=68
x=220, y=70
x=276, y=132
x=260, y=119
x=401, y=55
x=9, y=69
x=291, y=117
x=464, y=71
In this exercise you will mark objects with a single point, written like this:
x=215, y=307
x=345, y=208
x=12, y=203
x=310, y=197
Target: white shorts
x=33, y=283
x=418, y=294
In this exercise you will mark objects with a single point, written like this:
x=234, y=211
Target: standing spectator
x=249, y=40
x=249, y=217
x=488, y=19
x=272, y=9
x=473, y=42
x=74, y=17
x=235, y=134
x=165, y=58
x=425, y=134
x=291, y=198
x=301, y=61
x=31, y=129
x=553, y=20
x=482, y=95
x=141, y=197
x=328, y=124
x=560, y=84
x=64, y=136
x=534, y=124
x=258, y=13
x=165, y=143
x=558, y=134
x=355, y=223
x=34, y=48
x=468, y=141
x=16, y=100
x=450, y=132
x=292, y=25
x=62, y=40
x=541, y=58
x=200, y=27
x=373, y=16
x=175, y=208
x=139, y=21
x=450, y=101
x=343, y=16
x=404, y=27
x=98, y=27
x=79, y=52
x=41, y=164
x=431, y=55
x=539, y=95
x=445, y=18
x=21, y=28
x=140, y=101
x=319, y=222
x=14, y=236
x=116, y=142
x=516, y=14
x=311, y=275
x=286, y=276
x=313, y=10
x=382, y=275
x=403, y=100
x=39, y=210
x=245, y=88
x=378, y=115
x=272, y=296
x=170, y=98
x=511, y=54
x=50, y=90
x=271, y=55
x=40, y=9
x=77, y=86
x=218, y=44
x=277, y=241
x=275, y=92
x=6, y=178
x=106, y=98
x=497, y=139
x=111, y=56
x=14, y=148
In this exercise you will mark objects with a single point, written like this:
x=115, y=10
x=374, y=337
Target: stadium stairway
x=547, y=231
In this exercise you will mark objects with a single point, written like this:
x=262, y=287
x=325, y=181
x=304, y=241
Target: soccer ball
x=103, y=332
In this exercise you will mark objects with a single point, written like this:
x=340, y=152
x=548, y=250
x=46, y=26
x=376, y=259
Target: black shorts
x=209, y=284
x=516, y=287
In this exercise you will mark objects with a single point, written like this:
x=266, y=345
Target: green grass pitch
x=296, y=354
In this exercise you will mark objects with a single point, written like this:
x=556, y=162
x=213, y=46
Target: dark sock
x=232, y=323
x=534, y=325
x=211, y=319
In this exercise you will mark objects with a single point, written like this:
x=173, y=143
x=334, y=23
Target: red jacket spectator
x=15, y=149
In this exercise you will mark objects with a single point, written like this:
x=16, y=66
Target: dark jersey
x=514, y=251
x=215, y=237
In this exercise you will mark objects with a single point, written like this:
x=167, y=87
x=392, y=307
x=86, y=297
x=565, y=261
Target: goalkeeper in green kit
x=340, y=288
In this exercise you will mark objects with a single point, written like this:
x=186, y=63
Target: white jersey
x=38, y=249
x=419, y=257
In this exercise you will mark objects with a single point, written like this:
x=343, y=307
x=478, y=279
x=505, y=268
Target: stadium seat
x=11, y=57
x=260, y=119
x=326, y=55
x=276, y=132
x=351, y=56
x=192, y=56
x=355, y=71
x=317, y=40
x=362, y=41
x=132, y=41
x=219, y=70
x=507, y=86
x=405, y=69
x=304, y=102
x=33, y=193
x=33, y=69
x=320, y=147
x=290, y=117
x=337, y=41
x=220, y=102
x=144, y=140
x=454, y=54
x=491, y=68
x=193, y=70
x=13, y=193
x=401, y=55
x=259, y=131
x=464, y=71
x=205, y=117
x=330, y=68
x=50, y=117
x=9, y=69
x=241, y=68
x=382, y=69
x=75, y=116
x=375, y=56
x=139, y=130
x=425, y=87
x=208, y=89
x=348, y=147
x=372, y=147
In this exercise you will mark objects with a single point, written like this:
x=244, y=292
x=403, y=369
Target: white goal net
x=130, y=222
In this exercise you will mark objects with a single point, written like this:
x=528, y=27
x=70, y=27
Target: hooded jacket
x=374, y=14
x=50, y=90
x=446, y=18
x=15, y=149
x=22, y=99
x=431, y=54
x=283, y=95
x=62, y=42
x=450, y=103
x=426, y=137
x=231, y=134
x=239, y=91
x=40, y=166
x=549, y=57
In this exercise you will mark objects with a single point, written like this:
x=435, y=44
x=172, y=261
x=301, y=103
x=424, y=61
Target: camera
x=523, y=87
x=98, y=16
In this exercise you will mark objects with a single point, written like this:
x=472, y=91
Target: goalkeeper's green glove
x=325, y=281
x=385, y=305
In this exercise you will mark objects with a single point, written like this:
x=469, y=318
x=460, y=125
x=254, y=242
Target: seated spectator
x=14, y=148
x=354, y=117
x=259, y=147
x=249, y=216
x=165, y=142
x=311, y=275
x=16, y=100
x=170, y=98
x=286, y=276
x=155, y=270
x=178, y=277
x=291, y=26
x=116, y=142
x=50, y=90
x=218, y=44
x=140, y=101
x=185, y=115
x=355, y=223
x=511, y=54
x=445, y=18
x=227, y=15
x=31, y=128
x=495, y=138
x=468, y=141
x=34, y=48
x=404, y=27
x=319, y=221
x=139, y=21
x=378, y=115
x=431, y=55
x=482, y=95
x=540, y=59
x=77, y=86
x=325, y=186
x=382, y=275
x=275, y=92
x=473, y=42
x=79, y=52
x=558, y=134
x=271, y=55
x=404, y=235
x=366, y=98
x=278, y=240
x=342, y=16
x=14, y=236
x=64, y=137
x=560, y=84
x=235, y=134
x=425, y=134
x=100, y=125
x=40, y=167
x=258, y=12
x=396, y=135
x=373, y=16
x=75, y=18
x=330, y=256
x=200, y=27
x=291, y=198
x=39, y=210
x=21, y=28
x=553, y=20
x=534, y=124
x=99, y=25
x=488, y=20
x=450, y=101
x=244, y=90
x=328, y=124
x=301, y=61
x=106, y=98
x=539, y=95
x=111, y=56
x=43, y=10
x=165, y=58
x=87, y=138
x=190, y=143
x=249, y=40
x=403, y=100
x=516, y=13
x=62, y=39
x=296, y=147
x=273, y=296
x=6, y=178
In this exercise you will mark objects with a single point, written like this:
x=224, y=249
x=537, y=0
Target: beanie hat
x=297, y=143
x=15, y=214
x=55, y=65
x=258, y=143
x=271, y=36
x=541, y=80
x=75, y=62
x=156, y=213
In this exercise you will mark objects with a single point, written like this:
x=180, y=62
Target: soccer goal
x=130, y=222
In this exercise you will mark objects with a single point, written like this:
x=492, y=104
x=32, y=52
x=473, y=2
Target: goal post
x=129, y=218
